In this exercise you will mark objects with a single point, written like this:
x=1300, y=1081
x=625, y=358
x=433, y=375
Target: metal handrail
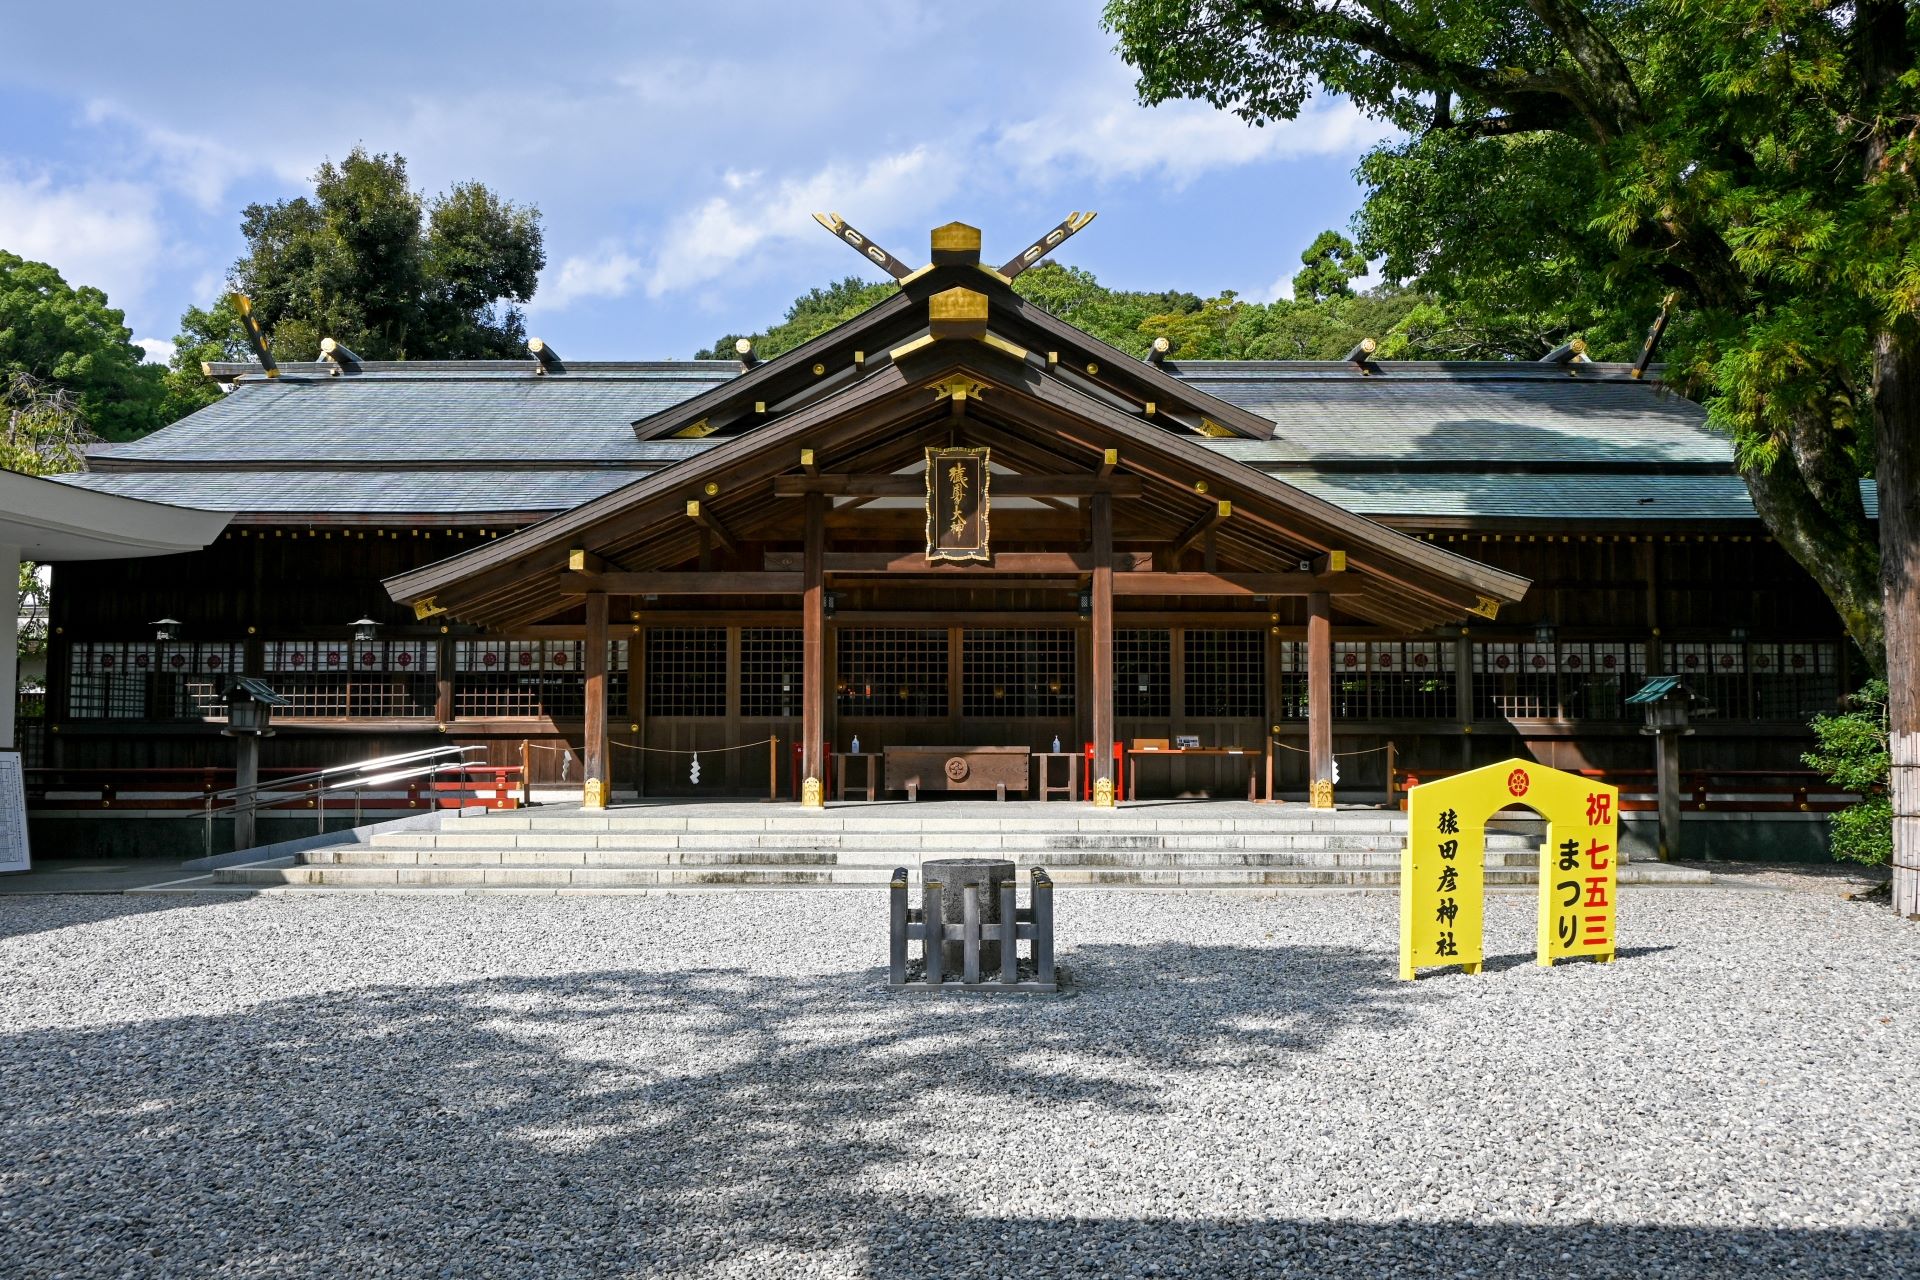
x=378, y=762
x=358, y=778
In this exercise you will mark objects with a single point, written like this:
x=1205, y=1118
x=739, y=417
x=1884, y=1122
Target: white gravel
x=716, y=1085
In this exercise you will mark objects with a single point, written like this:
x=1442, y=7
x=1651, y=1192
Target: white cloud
x=1179, y=141
x=199, y=167
x=609, y=272
x=715, y=237
x=104, y=234
x=159, y=350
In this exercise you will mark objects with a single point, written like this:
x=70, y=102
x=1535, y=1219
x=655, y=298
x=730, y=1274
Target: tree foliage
x=1854, y=753
x=390, y=273
x=46, y=432
x=58, y=342
x=1321, y=322
x=1575, y=160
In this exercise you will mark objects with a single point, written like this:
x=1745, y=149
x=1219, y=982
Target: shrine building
x=953, y=522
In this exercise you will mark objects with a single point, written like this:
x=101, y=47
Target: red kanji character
x=1599, y=809
x=1596, y=891
x=1594, y=850
x=1596, y=928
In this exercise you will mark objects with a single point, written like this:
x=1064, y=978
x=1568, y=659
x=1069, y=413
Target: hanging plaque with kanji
x=957, y=504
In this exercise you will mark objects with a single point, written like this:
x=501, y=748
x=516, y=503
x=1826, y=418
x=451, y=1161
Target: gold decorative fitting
x=1093, y=367
x=957, y=313
x=696, y=430
x=1322, y=794
x=810, y=795
x=957, y=388
x=576, y=561
x=1199, y=486
x=711, y=489
x=593, y=795
x=819, y=369
x=1103, y=793
x=422, y=610
x=1001, y=345
x=1488, y=607
x=956, y=242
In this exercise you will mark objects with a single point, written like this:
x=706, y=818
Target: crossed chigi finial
x=899, y=270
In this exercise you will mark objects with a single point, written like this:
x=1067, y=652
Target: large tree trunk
x=1838, y=549
x=1896, y=406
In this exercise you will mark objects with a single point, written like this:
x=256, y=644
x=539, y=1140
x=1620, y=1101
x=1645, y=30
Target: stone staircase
x=1204, y=845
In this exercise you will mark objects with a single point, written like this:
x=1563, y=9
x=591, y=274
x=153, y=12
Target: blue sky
x=675, y=151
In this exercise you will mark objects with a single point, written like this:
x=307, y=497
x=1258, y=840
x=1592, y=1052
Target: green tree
x=812, y=314
x=46, y=432
x=1757, y=157
x=1331, y=264
x=390, y=273
x=1854, y=754
x=52, y=333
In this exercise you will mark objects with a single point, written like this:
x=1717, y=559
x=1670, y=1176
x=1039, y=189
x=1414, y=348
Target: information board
x=13, y=814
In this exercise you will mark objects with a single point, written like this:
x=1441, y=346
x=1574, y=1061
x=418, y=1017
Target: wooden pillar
x=598, y=786
x=443, y=681
x=1320, y=700
x=1463, y=704
x=246, y=773
x=1105, y=784
x=813, y=649
x=1275, y=699
x=637, y=699
x=1666, y=763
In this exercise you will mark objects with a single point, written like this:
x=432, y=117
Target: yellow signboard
x=1442, y=870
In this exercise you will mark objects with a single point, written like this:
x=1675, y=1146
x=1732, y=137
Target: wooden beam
x=580, y=560
x=807, y=463
x=914, y=486
x=1330, y=562
x=669, y=583
x=1197, y=530
x=837, y=227
x=1027, y=562
x=698, y=513
x=1109, y=459
x=1046, y=244
x=1233, y=584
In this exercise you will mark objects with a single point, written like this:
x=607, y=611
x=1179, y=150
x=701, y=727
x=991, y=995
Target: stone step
x=543, y=879
x=905, y=842
x=353, y=877
x=812, y=824
x=363, y=856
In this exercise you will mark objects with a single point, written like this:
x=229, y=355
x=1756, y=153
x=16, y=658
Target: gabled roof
x=994, y=315
x=1032, y=420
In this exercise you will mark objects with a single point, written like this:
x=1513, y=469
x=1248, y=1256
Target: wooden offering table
x=995, y=769
x=1136, y=754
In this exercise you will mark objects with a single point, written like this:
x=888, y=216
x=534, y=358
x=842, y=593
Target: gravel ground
x=506, y=1087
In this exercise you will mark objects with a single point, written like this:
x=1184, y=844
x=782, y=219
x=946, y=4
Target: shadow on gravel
x=715, y=1121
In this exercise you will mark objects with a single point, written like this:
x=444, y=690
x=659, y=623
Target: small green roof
x=1655, y=689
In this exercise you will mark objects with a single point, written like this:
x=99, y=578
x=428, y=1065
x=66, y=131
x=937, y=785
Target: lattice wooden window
x=109, y=680
x=362, y=678
x=1596, y=677
x=687, y=671
x=1795, y=680
x=772, y=672
x=514, y=678
x=1226, y=673
x=1514, y=681
x=1406, y=680
x=1020, y=674
x=1143, y=673
x=895, y=673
